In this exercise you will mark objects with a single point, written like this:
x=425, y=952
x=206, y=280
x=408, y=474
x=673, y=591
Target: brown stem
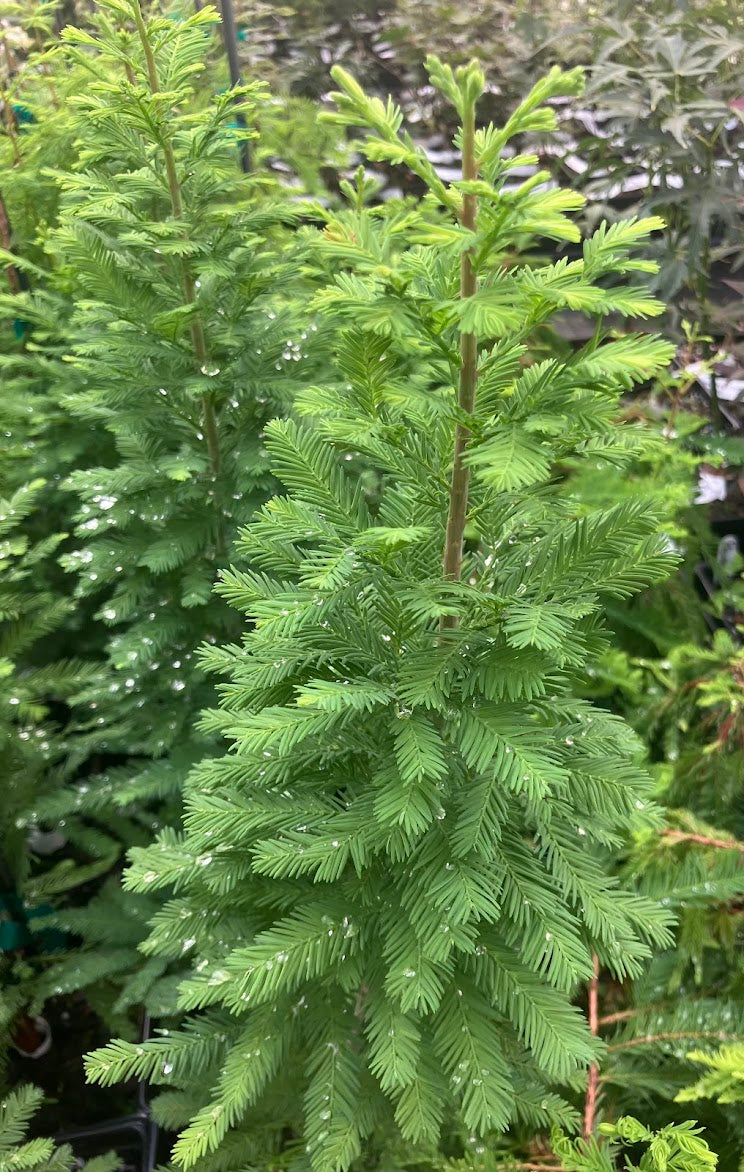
x=650, y=1039
x=198, y=338
x=10, y=62
x=532, y=1167
x=592, y=1086
x=11, y=126
x=5, y=239
x=723, y=844
x=622, y=1015
x=458, y=503
x=628, y=1014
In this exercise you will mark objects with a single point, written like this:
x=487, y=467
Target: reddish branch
x=592, y=1086
x=621, y=1015
x=723, y=844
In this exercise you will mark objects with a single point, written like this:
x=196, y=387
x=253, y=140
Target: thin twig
x=723, y=844
x=622, y=1015
x=6, y=239
x=458, y=503
x=651, y=1039
x=592, y=1086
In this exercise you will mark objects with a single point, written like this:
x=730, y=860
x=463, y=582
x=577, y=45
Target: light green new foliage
x=724, y=1078
x=678, y=1147
x=394, y=882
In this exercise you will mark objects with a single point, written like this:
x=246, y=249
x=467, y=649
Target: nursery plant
x=46, y=652
x=32, y=609
x=178, y=357
x=689, y=1004
x=396, y=882
x=162, y=331
x=679, y=687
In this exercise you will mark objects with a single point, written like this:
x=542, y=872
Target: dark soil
x=69, y=1102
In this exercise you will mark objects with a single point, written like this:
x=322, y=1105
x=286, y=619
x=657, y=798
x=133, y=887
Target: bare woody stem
x=9, y=118
x=458, y=503
x=6, y=239
x=198, y=339
x=723, y=844
x=621, y=1015
x=682, y=1035
x=10, y=61
x=592, y=1086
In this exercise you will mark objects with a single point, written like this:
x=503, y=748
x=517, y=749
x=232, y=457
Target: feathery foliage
x=161, y=332
x=676, y=1148
x=397, y=878
x=680, y=690
x=724, y=1079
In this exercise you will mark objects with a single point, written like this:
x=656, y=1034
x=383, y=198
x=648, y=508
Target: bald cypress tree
x=396, y=879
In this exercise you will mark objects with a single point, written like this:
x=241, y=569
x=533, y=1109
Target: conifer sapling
x=160, y=337
x=396, y=880
x=182, y=342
